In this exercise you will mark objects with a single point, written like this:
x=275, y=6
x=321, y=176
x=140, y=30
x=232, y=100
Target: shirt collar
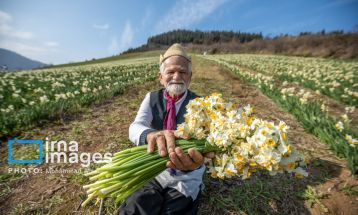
x=181, y=99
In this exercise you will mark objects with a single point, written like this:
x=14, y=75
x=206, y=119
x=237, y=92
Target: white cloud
x=101, y=27
x=185, y=13
x=335, y=4
x=51, y=44
x=21, y=34
x=147, y=16
x=124, y=42
x=24, y=42
x=5, y=17
x=126, y=37
x=252, y=13
x=6, y=30
x=22, y=48
x=113, y=47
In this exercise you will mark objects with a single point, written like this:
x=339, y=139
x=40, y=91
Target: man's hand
x=185, y=162
x=165, y=141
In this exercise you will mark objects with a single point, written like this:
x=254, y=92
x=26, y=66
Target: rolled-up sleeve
x=141, y=126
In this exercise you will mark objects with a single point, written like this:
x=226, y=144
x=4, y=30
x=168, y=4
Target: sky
x=62, y=31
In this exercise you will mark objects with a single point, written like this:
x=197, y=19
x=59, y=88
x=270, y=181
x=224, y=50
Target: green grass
x=313, y=197
x=5, y=190
x=113, y=58
x=53, y=202
x=350, y=190
x=25, y=152
x=20, y=209
x=265, y=194
x=7, y=177
x=79, y=178
x=261, y=194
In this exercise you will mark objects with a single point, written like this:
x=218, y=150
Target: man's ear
x=160, y=77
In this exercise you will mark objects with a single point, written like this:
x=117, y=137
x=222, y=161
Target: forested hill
x=334, y=44
x=195, y=37
x=202, y=37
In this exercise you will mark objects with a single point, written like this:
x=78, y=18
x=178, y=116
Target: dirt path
x=104, y=128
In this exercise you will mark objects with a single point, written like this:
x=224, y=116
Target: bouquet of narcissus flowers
x=243, y=145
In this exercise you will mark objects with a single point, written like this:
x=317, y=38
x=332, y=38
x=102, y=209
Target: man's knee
x=143, y=201
x=177, y=203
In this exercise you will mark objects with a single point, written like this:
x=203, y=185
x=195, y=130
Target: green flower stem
x=132, y=168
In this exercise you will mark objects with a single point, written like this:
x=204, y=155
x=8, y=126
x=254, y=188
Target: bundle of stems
x=132, y=168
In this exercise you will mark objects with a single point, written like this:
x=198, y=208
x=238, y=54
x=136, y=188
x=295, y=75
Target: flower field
x=334, y=78
x=295, y=82
x=96, y=110
x=30, y=96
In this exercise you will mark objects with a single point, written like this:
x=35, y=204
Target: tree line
x=335, y=44
x=195, y=37
x=202, y=37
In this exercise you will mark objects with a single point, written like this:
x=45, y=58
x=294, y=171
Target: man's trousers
x=152, y=199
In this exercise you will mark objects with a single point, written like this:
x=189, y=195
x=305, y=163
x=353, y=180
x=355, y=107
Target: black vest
x=158, y=106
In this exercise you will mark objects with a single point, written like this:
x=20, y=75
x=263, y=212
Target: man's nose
x=176, y=76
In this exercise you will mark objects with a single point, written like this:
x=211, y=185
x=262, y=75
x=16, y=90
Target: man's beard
x=176, y=88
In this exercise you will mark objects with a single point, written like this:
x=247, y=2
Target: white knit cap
x=175, y=50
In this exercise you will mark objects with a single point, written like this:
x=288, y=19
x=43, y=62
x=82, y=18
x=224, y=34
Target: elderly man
x=177, y=189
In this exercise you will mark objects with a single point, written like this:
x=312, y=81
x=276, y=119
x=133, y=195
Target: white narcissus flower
x=248, y=110
x=60, y=96
x=282, y=126
x=349, y=109
x=57, y=85
x=300, y=173
x=345, y=118
x=268, y=159
x=339, y=126
x=44, y=99
x=353, y=142
x=324, y=108
x=230, y=170
x=84, y=89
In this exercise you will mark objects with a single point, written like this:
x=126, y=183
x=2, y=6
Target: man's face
x=176, y=76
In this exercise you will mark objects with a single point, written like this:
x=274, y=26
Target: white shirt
x=186, y=183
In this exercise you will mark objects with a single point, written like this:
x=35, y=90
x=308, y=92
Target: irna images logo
x=11, y=143
x=53, y=152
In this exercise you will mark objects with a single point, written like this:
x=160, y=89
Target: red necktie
x=169, y=120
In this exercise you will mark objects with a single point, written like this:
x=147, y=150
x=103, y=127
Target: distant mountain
x=12, y=61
